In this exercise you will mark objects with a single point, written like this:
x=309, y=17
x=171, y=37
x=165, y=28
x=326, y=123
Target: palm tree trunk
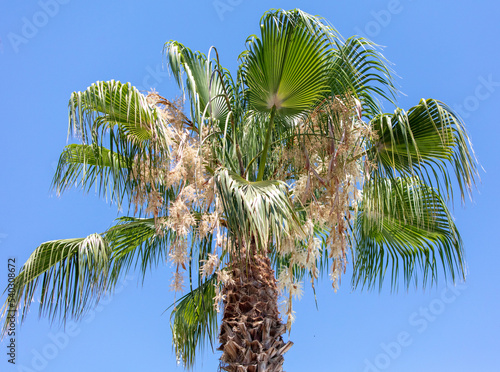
x=251, y=332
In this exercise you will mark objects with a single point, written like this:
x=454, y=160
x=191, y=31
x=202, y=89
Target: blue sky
x=447, y=50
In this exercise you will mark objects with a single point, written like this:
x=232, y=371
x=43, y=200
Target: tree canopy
x=290, y=158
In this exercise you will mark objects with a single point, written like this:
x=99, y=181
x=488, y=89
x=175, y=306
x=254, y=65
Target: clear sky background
x=448, y=50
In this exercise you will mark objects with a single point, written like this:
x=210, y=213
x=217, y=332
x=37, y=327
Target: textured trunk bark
x=251, y=332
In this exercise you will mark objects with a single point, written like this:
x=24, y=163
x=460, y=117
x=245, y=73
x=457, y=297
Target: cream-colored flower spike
x=329, y=186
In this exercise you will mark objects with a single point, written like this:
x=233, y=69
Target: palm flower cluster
x=328, y=162
x=288, y=170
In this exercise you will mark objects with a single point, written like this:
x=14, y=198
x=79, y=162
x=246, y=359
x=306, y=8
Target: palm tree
x=272, y=177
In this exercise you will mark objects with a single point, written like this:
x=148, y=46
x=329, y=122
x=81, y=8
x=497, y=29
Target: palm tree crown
x=285, y=170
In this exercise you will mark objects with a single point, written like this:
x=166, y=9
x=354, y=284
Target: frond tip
x=72, y=273
x=92, y=165
x=407, y=230
x=193, y=321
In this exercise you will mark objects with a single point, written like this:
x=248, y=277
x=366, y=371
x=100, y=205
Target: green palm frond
x=260, y=210
x=194, y=321
x=425, y=141
x=357, y=68
x=287, y=67
x=72, y=274
x=137, y=241
x=88, y=165
x=253, y=131
x=120, y=110
x=209, y=85
x=410, y=232
x=123, y=135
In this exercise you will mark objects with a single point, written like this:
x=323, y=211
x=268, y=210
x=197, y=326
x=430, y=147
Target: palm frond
x=89, y=165
x=358, y=68
x=123, y=134
x=410, y=231
x=425, y=141
x=260, y=210
x=118, y=108
x=138, y=242
x=253, y=131
x=72, y=274
x=286, y=67
x=207, y=83
x=194, y=322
